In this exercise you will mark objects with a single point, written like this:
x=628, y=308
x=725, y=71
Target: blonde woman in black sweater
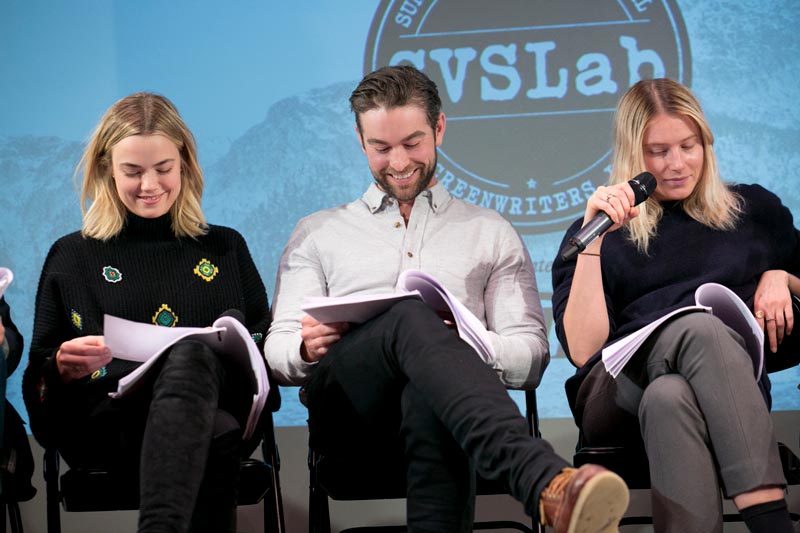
x=145, y=253
x=689, y=396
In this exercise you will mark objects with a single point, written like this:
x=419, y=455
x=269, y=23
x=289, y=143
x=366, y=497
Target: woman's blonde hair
x=711, y=202
x=104, y=213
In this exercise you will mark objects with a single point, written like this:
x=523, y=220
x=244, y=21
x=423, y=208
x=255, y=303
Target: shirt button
x=410, y=254
x=397, y=224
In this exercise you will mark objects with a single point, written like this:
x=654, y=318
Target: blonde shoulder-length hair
x=711, y=202
x=104, y=213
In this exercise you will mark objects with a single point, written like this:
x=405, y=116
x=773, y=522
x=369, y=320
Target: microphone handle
x=643, y=185
x=588, y=233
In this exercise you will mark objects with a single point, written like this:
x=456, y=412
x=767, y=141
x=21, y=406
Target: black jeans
x=180, y=436
x=191, y=448
x=405, y=382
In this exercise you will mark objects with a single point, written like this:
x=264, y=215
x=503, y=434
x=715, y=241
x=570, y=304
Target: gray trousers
x=690, y=391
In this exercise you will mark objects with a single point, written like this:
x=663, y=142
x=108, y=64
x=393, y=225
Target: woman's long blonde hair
x=104, y=213
x=711, y=202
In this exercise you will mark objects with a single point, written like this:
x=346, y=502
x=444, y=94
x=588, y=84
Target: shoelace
x=555, y=491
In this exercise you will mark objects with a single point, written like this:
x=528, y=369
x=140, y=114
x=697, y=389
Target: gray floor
x=294, y=481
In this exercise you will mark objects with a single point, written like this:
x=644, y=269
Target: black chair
x=632, y=466
x=16, y=469
x=9, y=509
x=344, y=481
x=81, y=490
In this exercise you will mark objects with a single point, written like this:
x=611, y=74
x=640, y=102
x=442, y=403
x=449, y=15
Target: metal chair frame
x=83, y=490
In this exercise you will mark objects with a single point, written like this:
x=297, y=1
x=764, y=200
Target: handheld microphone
x=643, y=185
x=234, y=313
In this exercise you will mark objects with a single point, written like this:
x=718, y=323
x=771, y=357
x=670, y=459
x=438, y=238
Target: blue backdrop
x=264, y=87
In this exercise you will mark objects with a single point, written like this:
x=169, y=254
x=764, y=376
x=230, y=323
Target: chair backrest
x=16, y=467
x=333, y=478
x=16, y=458
x=80, y=489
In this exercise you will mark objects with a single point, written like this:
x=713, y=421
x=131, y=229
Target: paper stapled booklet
x=709, y=297
x=410, y=284
x=145, y=343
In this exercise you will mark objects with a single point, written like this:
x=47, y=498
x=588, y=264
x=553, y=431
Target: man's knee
x=410, y=311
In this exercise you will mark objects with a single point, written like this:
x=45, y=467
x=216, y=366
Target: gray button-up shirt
x=362, y=247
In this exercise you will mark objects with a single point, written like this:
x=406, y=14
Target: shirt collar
x=437, y=197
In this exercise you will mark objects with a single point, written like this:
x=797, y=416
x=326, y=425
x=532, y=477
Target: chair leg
x=318, y=512
x=10, y=516
x=273, y=504
x=15, y=517
x=51, y=488
x=273, y=500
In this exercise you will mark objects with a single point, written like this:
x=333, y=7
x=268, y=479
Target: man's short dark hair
x=396, y=86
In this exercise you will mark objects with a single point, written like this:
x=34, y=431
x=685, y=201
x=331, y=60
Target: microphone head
x=234, y=313
x=643, y=186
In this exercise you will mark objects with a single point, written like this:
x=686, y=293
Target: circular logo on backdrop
x=529, y=89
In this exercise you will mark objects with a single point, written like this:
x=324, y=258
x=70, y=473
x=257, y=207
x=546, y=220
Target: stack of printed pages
x=410, y=284
x=144, y=343
x=712, y=298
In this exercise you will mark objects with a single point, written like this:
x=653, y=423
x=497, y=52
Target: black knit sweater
x=145, y=274
x=685, y=254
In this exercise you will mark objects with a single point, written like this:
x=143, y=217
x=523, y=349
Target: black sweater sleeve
x=12, y=335
x=41, y=384
x=256, y=304
x=257, y=311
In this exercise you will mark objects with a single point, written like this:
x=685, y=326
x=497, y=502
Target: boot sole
x=600, y=505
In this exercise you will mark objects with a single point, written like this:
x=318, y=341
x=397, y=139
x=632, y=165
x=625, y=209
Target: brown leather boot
x=589, y=499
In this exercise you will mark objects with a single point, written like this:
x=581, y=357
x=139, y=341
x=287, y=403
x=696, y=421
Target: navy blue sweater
x=685, y=254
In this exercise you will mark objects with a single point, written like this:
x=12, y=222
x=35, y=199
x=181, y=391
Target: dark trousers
x=185, y=440
x=404, y=382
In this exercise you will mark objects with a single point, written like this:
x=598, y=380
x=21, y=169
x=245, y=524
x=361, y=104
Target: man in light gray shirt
x=404, y=380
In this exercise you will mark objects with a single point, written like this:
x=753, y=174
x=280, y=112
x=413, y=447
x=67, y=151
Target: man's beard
x=406, y=195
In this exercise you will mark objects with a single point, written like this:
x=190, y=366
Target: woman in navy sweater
x=145, y=253
x=689, y=393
